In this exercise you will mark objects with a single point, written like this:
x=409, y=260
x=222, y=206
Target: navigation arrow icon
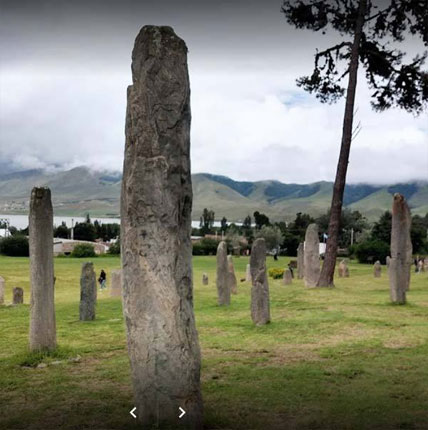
x=182, y=412
x=132, y=412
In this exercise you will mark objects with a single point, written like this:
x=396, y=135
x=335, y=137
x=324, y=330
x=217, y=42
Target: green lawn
x=342, y=358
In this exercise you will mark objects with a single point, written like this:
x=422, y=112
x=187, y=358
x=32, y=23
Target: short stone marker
x=287, y=279
x=18, y=296
x=205, y=279
x=231, y=277
x=377, y=269
x=116, y=283
x=300, y=261
x=260, y=306
x=223, y=289
x=88, y=292
x=248, y=273
x=311, y=265
x=401, y=250
x=1, y=291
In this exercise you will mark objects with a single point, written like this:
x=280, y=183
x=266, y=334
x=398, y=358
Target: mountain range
x=82, y=190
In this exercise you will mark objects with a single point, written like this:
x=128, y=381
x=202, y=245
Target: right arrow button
x=182, y=412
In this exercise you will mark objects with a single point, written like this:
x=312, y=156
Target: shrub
x=15, y=246
x=276, y=273
x=371, y=251
x=83, y=250
x=205, y=247
x=114, y=248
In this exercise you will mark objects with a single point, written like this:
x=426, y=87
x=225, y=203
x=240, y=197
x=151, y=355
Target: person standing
x=102, y=280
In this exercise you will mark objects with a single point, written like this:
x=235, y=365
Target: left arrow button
x=132, y=412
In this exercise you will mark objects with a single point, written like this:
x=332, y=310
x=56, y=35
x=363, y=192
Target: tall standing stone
x=156, y=205
x=401, y=250
x=300, y=261
x=231, y=277
x=343, y=270
x=116, y=283
x=388, y=260
x=260, y=306
x=248, y=273
x=222, y=279
x=287, y=279
x=17, y=296
x=42, y=309
x=312, y=256
x=88, y=292
x=1, y=290
x=377, y=269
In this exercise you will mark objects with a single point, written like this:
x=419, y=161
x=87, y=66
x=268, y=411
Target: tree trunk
x=327, y=272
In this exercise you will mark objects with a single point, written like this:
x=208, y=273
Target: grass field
x=342, y=358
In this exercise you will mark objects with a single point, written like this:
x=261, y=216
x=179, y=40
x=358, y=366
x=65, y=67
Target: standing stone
x=231, y=277
x=42, y=309
x=287, y=279
x=260, y=307
x=300, y=261
x=156, y=206
x=1, y=291
x=222, y=280
x=377, y=269
x=343, y=270
x=248, y=274
x=311, y=263
x=388, y=261
x=205, y=279
x=88, y=292
x=401, y=250
x=18, y=296
x=346, y=271
x=116, y=283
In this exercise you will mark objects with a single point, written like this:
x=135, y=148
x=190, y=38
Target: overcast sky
x=65, y=66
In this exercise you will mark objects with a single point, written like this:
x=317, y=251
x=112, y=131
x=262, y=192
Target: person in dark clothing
x=103, y=280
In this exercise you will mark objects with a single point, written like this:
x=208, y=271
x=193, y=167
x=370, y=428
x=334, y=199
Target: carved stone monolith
x=300, y=261
x=116, y=283
x=287, y=279
x=401, y=250
x=222, y=280
x=231, y=277
x=260, y=306
x=156, y=206
x=377, y=269
x=311, y=265
x=343, y=270
x=248, y=273
x=1, y=290
x=88, y=292
x=205, y=279
x=42, y=309
x=17, y=296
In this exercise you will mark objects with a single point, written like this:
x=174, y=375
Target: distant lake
x=21, y=221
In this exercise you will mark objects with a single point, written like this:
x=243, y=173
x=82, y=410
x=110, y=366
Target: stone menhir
x=231, y=277
x=42, y=309
x=116, y=283
x=388, y=260
x=401, y=250
x=287, y=279
x=205, y=279
x=377, y=269
x=88, y=292
x=311, y=263
x=17, y=296
x=1, y=291
x=222, y=280
x=300, y=261
x=156, y=206
x=343, y=270
x=260, y=306
x=248, y=273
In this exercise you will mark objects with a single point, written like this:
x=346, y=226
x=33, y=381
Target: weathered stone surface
x=300, y=261
x=287, y=279
x=18, y=296
x=388, y=260
x=205, y=279
x=401, y=250
x=248, y=273
x=377, y=269
x=260, y=306
x=231, y=277
x=42, y=309
x=311, y=263
x=223, y=290
x=116, y=283
x=156, y=205
x=343, y=270
x=2, y=290
x=88, y=292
